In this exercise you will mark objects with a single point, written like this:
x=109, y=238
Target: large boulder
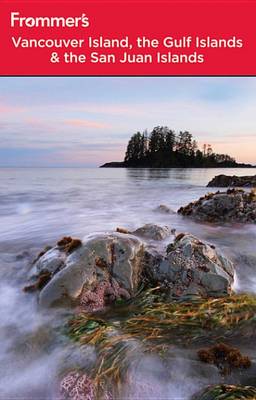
x=102, y=262
x=104, y=268
x=230, y=206
x=233, y=181
x=190, y=269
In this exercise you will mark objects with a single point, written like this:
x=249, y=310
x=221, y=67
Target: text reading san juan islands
x=128, y=56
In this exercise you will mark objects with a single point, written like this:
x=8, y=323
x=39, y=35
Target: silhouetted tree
x=163, y=148
x=135, y=149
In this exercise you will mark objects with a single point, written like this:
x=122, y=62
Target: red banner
x=128, y=38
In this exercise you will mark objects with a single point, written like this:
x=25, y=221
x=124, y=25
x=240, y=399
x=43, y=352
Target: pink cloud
x=4, y=108
x=83, y=123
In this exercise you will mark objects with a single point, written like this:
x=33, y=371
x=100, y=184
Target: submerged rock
x=230, y=206
x=164, y=209
x=100, y=258
x=232, y=181
x=191, y=268
x=154, y=232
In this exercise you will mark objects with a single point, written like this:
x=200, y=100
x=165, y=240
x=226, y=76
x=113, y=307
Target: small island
x=164, y=148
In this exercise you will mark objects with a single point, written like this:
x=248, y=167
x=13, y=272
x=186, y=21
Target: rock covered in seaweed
x=227, y=392
x=107, y=268
x=232, y=181
x=230, y=206
x=115, y=259
x=191, y=268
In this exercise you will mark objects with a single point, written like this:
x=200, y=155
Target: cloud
x=86, y=114
x=6, y=108
x=110, y=109
x=83, y=123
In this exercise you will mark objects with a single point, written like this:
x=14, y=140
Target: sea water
x=39, y=206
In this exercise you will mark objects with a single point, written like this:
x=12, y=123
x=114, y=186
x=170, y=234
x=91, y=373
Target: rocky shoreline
x=234, y=205
x=107, y=267
x=180, y=292
x=233, y=181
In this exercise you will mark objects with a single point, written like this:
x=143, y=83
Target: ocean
x=39, y=206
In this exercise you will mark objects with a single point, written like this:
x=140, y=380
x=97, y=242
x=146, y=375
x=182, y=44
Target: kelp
x=149, y=317
x=227, y=392
x=157, y=324
x=225, y=357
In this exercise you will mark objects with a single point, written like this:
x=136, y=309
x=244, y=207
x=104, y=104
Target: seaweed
x=151, y=320
x=225, y=357
x=227, y=392
x=41, y=282
x=122, y=230
x=68, y=244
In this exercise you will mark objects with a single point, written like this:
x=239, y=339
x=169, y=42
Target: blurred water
x=38, y=206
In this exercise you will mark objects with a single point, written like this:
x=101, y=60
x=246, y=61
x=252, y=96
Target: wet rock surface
x=164, y=209
x=115, y=259
x=108, y=268
x=102, y=294
x=232, y=181
x=152, y=231
x=230, y=206
x=190, y=268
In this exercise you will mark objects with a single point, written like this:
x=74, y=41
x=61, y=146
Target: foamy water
x=39, y=206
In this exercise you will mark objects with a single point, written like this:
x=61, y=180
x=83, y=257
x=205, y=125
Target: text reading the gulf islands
x=100, y=49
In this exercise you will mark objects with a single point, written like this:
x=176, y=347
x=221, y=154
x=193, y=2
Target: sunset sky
x=74, y=122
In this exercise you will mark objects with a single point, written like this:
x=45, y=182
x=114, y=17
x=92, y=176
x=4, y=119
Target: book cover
x=127, y=200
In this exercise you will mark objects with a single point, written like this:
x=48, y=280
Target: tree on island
x=163, y=148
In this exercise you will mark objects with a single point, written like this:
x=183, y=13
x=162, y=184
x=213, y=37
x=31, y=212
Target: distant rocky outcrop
x=105, y=268
x=231, y=206
x=113, y=164
x=233, y=181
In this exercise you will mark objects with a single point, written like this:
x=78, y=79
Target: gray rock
x=191, y=268
x=164, y=209
x=51, y=261
x=154, y=232
x=98, y=259
x=231, y=206
x=233, y=181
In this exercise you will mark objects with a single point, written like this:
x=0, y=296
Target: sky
x=85, y=122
